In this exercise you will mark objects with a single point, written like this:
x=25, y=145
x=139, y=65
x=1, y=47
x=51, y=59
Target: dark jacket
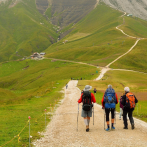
x=124, y=102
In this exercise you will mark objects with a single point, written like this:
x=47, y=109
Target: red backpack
x=130, y=100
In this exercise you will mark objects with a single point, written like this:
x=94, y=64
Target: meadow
x=29, y=87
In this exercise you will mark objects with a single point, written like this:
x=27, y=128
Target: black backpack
x=86, y=99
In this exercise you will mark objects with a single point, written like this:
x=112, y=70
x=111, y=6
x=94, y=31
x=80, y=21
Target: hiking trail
x=62, y=130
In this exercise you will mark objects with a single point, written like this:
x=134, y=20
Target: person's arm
x=123, y=102
x=102, y=101
x=93, y=98
x=116, y=98
x=80, y=100
x=136, y=100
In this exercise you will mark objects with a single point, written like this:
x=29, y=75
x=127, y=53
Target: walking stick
x=93, y=113
x=77, y=116
x=115, y=117
x=104, y=119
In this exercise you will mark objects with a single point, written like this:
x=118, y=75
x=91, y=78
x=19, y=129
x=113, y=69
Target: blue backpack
x=109, y=98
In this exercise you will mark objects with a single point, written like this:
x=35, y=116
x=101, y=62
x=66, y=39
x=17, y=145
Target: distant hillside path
x=105, y=69
x=62, y=130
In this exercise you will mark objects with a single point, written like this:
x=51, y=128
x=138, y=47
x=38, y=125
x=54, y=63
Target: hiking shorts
x=86, y=113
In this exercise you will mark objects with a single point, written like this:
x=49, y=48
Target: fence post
x=29, y=130
x=45, y=118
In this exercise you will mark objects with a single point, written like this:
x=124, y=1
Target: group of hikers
x=109, y=101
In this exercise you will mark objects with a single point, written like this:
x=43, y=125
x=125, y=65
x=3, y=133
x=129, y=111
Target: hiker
x=128, y=101
x=87, y=98
x=82, y=91
x=109, y=102
x=121, y=108
x=95, y=90
x=66, y=85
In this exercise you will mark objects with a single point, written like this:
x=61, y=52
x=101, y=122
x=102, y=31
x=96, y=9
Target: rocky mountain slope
x=137, y=8
x=64, y=12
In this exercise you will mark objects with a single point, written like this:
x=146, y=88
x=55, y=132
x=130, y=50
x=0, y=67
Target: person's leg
x=131, y=118
x=89, y=114
x=125, y=119
x=107, y=111
x=112, y=118
x=120, y=114
x=84, y=115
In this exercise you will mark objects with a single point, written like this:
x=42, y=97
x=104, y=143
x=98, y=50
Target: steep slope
x=137, y=8
x=96, y=40
x=64, y=12
x=23, y=30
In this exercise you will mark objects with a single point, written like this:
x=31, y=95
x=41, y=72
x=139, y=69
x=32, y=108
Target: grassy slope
x=98, y=30
x=27, y=88
x=136, y=59
x=22, y=32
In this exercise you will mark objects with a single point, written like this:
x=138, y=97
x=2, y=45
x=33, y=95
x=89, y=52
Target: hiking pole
x=115, y=117
x=104, y=119
x=93, y=113
x=77, y=116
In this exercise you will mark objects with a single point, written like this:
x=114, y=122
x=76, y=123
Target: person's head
x=110, y=86
x=87, y=88
x=127, y=89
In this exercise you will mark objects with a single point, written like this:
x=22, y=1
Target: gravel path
x=62, y=130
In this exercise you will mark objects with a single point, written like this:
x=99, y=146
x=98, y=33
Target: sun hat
x=87, y=88
x=109, y=86
x=127, y=89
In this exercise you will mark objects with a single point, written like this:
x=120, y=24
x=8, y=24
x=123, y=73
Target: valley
x=86, y=41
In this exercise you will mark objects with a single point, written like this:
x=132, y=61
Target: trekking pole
x=104, y=119
x=93, y=113
x=115, y=117
x=77, y=116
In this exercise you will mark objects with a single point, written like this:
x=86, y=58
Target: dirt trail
x=62, y=130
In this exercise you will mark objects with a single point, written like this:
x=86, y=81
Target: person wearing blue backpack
x=109, y=102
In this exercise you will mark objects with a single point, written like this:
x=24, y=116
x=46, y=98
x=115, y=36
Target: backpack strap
x=88, y=93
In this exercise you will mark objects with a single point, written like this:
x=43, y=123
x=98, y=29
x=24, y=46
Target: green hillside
x=23, y=30
x=95, y=40
x=27, y=88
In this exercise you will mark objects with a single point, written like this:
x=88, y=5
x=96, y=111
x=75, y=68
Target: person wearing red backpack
x=87, y=98
x=128, y=101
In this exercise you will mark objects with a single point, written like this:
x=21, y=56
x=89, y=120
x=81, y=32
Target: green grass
x=135, y=60
x=135, y=27
x=23, y=31
x=94, y=39
x=27, y=89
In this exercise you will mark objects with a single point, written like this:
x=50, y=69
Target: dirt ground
x=62, y=130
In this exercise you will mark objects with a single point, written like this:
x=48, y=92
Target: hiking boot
x=133, y=126
x=125, y=128
x=112, y=128
x=108, y=129
x=87, y=128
